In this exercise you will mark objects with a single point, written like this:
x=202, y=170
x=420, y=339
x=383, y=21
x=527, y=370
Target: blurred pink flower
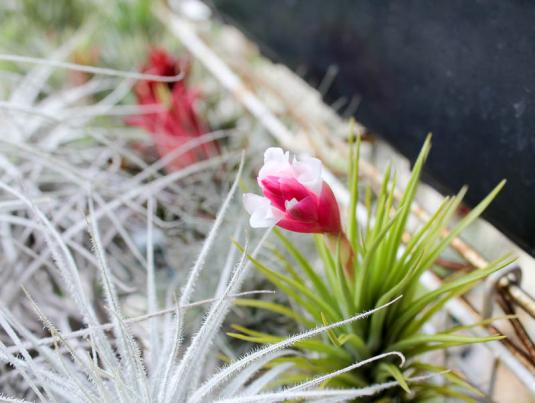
x=295, y=196
x=176, y=121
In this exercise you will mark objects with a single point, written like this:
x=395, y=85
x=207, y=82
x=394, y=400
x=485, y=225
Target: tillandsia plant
x=160, y=362
x=363, y=266
x=175, y=121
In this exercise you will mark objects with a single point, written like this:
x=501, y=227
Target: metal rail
x=519, y=296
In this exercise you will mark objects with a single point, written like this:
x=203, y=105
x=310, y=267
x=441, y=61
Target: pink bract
x=176, y=121
x=295, y=197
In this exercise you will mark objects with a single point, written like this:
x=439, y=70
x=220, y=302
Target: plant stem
x=341, y=247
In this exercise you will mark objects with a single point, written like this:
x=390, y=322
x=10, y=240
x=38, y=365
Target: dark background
x=461, y=69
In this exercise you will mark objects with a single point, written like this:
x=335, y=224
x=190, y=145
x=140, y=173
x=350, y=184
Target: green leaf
x=445, y=391
x=315, y=345
x=377, y=320
x=394, y=371
x=356, y=342
x=433, y=309
x=420, y=242
x=389, y=245
x=362, y=285
x=368, y=204
x=450, y=375
x=480, y=323
x=441, y=339
x=418, y=305
x=309, y=271
x=408, y=197
x=328, y=261
x=346, y=297
x=330, y=332
x=354, y=159
x=465, y=222
x=285, y=263
x=274, y=307
x=315, y=303
x=381, y=211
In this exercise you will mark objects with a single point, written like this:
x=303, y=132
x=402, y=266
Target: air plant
x=175, y=120
x=360, y=267
x=108, y=363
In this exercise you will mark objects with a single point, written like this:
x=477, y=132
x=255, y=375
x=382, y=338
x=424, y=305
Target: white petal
x=251, y=201
x=263, y=214
x=276, y=154
x=288, y=204
x=308, y=173
x=276, y=163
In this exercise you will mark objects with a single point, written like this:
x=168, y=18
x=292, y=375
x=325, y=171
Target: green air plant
x=361, y=266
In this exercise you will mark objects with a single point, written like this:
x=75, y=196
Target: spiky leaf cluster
x=383, y=267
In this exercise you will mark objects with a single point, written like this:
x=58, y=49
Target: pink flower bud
x=295, y=196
